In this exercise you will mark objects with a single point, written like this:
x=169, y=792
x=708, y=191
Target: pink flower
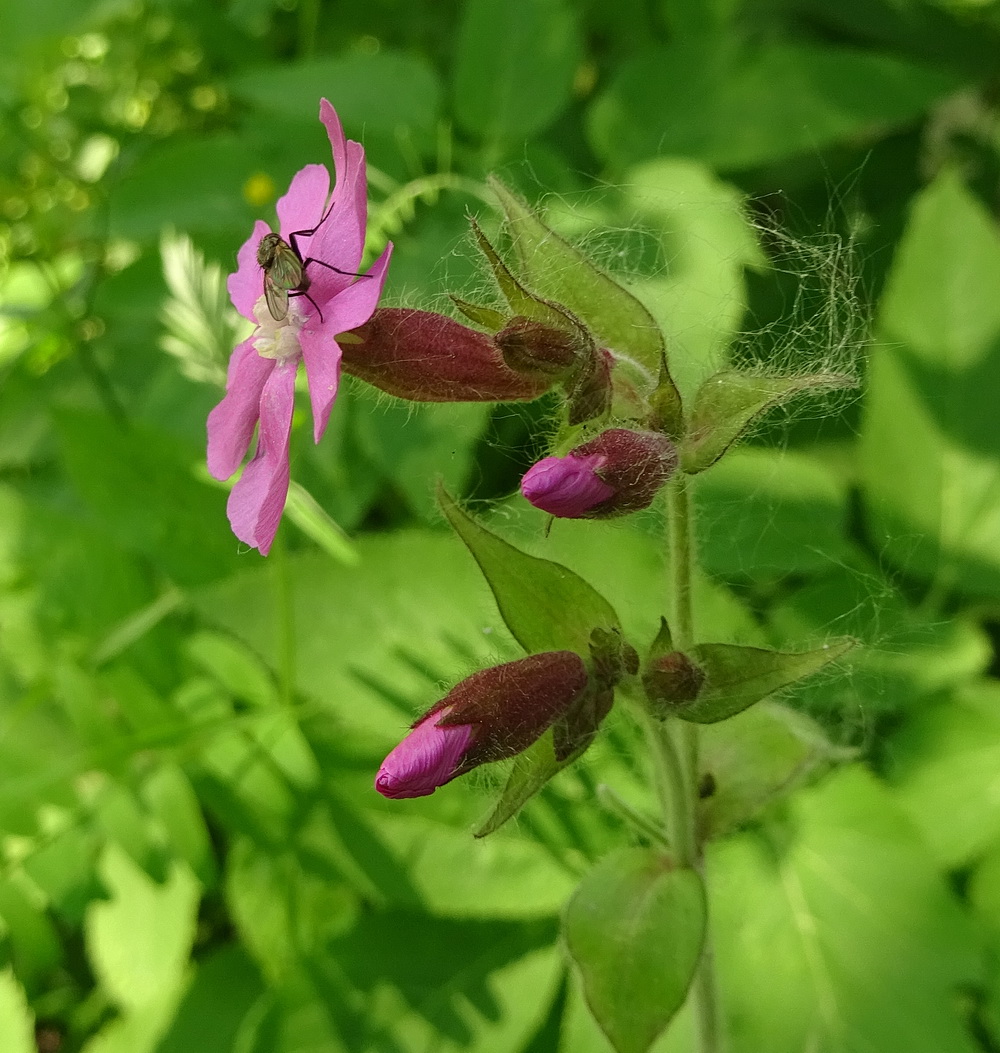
x=491, y=715
x=618, y=472
x=427, y=758
x=261, y=380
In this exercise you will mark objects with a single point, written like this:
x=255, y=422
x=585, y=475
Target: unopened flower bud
x=428, y=357
x=671, y=680
x=532, y=347
x=618, y=472
x=491, y=715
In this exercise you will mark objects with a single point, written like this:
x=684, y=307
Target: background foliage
x=193, y=857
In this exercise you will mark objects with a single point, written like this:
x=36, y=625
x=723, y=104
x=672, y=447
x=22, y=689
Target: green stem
x=286, y=621
x=682, y=737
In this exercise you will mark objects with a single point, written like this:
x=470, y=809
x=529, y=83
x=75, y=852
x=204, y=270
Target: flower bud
x=428, y=357
x=532, y=347
x=618, y=472
x=489, y=716
x=671, y=680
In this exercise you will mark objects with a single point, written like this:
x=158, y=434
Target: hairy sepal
x=730, y=401
x=736, y=677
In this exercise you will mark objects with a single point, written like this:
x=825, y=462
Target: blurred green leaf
x=138, y=941
x=764, y=513
x=756, y=758
x=735, y=105
x=514, y=66
x=387, y=93
x=944, y=765
x=929, y=443
x=635, y=928
x=838, y=931
x=138, y=485
x=213, y=1015
x=16, y=1021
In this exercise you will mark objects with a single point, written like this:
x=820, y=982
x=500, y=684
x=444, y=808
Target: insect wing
x=285, y=270
x=276, y=298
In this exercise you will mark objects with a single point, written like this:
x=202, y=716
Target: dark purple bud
x=620, y=471
x=428, y=357
x=491, y=715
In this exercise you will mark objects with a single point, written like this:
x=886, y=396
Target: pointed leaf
x=16, y=1023
x=727, y=403
x=635, y=928
x=737, y=677
x=544, y=604
x=562, y=273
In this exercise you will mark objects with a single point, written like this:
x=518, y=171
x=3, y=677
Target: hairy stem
x=682, y=739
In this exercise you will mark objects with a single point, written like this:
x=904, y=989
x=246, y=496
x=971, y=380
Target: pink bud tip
x=566, y=486
x=427, y=758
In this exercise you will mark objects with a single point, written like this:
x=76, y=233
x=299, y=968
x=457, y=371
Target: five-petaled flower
x=330, y=237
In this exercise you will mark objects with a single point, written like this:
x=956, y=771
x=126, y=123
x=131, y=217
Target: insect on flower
x=285, y=270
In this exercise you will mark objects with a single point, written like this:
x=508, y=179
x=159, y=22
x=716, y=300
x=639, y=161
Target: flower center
x=279, y=340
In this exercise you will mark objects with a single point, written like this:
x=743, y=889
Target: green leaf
x=944, y=764
x=793, y=906
x=930, y=448
x=138, y=941
x=757, y=757
x=16, y=1021
x=736, y=106
x=727, y=403
x=704, y=242
x=737, y=677
x=386, y=92
x=212, y=1016
x=546, y=606
x=763, y=513
x=563, y=274
x=510, y=83
x=635, y=928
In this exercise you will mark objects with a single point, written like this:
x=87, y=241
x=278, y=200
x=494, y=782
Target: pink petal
x=426, y=759
x=258, y=498
x=335, y=133
x=566, y=486
x=231, y=422
x=341, y=239
x=350, y=308
x=246, y=283
x=303, y=206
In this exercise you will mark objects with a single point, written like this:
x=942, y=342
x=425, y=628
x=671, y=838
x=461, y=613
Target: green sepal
x=489, y=318
x=546, y=606
x=562, y=273
x=525, y=303
x=666, y=409
x=737, y=677
x=530, y=771
x=635, y=929
x=728, y=402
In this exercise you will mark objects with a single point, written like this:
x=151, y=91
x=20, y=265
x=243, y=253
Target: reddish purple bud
x=620, y=471
x=532, y=347
x=671, y=680
x=489, y=716
x=428, y=357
